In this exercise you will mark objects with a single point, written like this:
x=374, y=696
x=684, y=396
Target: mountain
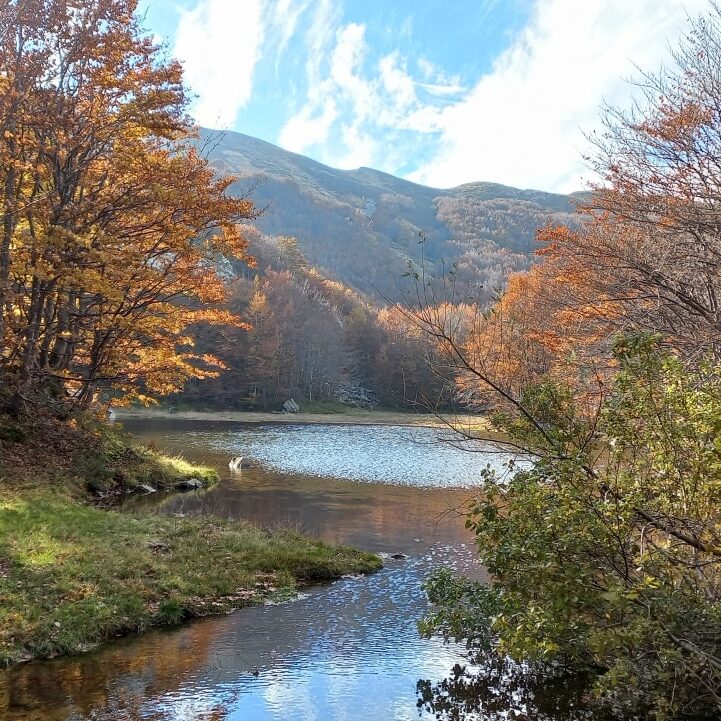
x=364, y=227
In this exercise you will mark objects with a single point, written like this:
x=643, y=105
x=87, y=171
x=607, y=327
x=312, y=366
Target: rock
x=193, y=484
x=290, y=406
x=145, y=488
x=356, y=396
x=395, y=556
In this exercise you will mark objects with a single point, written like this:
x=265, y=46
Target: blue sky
x=438, y=91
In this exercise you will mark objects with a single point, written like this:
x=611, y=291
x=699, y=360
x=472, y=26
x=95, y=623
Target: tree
x=654, y=238
x=112, y=222
x=606, y=554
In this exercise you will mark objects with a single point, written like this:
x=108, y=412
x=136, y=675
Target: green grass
x=324, y=407
x=72, y=576
x=114, y=465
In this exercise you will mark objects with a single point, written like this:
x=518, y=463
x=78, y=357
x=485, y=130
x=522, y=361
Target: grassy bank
x=86, y=458
x=73, y=575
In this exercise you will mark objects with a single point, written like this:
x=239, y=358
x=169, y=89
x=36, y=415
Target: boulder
x=192, y=484
x=145, y=488
x=290, y=406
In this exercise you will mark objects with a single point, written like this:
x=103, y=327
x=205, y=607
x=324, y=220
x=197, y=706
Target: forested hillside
x=334, y=250
x=361, y=227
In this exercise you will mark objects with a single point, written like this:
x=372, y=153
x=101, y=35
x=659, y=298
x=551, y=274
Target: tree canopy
x=602, y=363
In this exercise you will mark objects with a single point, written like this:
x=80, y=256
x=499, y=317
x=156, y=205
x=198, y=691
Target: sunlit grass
x=180, y=467
x=72, y=575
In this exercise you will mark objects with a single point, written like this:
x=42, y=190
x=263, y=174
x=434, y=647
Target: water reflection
x=347, y=651
x=498, y=690
x=374, y=516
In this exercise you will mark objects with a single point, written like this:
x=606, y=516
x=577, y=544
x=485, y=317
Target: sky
x=440, y=92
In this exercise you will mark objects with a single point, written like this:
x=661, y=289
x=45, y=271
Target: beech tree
x=112, y=221
x=654, y=239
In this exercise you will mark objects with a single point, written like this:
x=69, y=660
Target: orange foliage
x=113, y=224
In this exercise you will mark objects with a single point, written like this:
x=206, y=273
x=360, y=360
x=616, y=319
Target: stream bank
x=73, y=575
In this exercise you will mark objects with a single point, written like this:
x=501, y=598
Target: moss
x=72, y=575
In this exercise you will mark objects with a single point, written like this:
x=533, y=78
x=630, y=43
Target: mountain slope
x=363, y=226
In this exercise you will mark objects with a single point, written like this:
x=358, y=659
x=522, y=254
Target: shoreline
x=74, y=574
x=95, y=574
x=357, y=417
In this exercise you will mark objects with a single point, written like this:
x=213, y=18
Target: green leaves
x=605, y=553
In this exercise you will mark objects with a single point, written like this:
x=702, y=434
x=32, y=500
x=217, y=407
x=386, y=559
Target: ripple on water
x=422, y=457
x=348, y=651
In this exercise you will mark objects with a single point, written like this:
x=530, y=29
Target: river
x=349, y=650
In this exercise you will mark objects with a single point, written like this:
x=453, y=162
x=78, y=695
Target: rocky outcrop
x=356, y=396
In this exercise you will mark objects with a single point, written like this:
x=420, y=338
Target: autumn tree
x=654, y=235
x=112, y=222
x=605, y=553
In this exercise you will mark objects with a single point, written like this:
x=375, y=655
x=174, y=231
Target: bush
x=607, y=553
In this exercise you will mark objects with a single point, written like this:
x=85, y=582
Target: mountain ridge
x=363, y=226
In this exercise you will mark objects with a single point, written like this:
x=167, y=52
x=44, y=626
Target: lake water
x=347, y=651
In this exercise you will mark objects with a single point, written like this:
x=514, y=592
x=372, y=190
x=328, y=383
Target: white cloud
x=284, y=17
x=396, y=81
x=219, y=43
x=308, y=127
x=312, y=123
x=352, y=105
x=335, y=57
x=523, y=124
x=319, y=38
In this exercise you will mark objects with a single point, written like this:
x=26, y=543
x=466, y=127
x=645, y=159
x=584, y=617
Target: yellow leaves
x=119, y=228
x=675, y=120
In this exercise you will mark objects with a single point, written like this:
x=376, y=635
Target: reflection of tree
x=502, y=690
x=116, y=682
